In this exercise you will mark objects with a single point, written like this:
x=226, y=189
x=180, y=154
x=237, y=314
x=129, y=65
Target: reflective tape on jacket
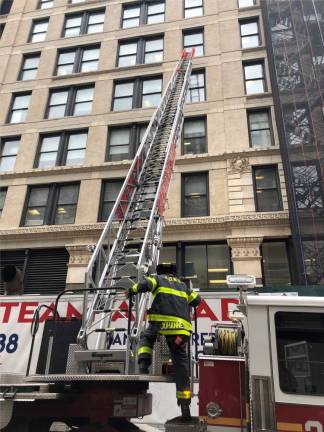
x=186, y=394
x=170, y=291
x=153, y=281
x=134, y=288
x=156, y=317
x=175, y=332
x=144, y=350
x=192, y=296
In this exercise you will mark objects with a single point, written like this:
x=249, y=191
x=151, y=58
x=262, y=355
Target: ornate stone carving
x=79, y=255
x=239, y=165
x=245, y=248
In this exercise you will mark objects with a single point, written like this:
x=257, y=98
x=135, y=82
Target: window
x=267, y=188
x=246, y=3
x=140, y=51
x=194, y=39
x=260, y=128
x=73, y=101
x=250, y=33
x=29, y=67
x=9, y=150
x=3, y=193
x=309, y=192
x=254, y=78
x=5, y=6
x=84, y=23
x=275, y=263
x=110, y=192
x=196, y=92
x=193, y=8
x=19, y=107
x=141, y=93
x=39, y=30
x=2, y=27
x=66, y=148
x=194, y=136
x=45, y=4
x=76, y=1
x=124, y=141
x=82, y=59
x=300, y=352
x=145, y=12
x=195, y=195
x=51, y=205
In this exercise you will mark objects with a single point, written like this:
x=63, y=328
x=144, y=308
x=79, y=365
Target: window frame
x=264, y=80
x=85, y=15
x=3, y=141
x=22, y=70
x=13, y=97
x=135, y=130
x=191, y=31
x=278, y=188
x=193, y=72
x=140, y=50
x=41, y=2
x=255, y=111
x=251, y=20
x=193, y=118
x=62, y=151
x=51, y=204
x=244, y=7
x=287, y=249
x=137, y=90
x=71, y=99
x=192, y=7
x=77, y=64
x=197, y=174
x=31, y=33
x=5, y=190
x=143, y=12
x=102, y=194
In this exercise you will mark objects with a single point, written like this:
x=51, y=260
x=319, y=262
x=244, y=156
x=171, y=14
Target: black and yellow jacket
x=171, y=304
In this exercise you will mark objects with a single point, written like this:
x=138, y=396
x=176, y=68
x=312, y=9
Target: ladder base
x=178, y=425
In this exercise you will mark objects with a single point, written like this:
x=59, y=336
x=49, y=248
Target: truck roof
x=285, y=300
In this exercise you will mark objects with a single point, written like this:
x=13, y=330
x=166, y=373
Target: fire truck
x=262, y=371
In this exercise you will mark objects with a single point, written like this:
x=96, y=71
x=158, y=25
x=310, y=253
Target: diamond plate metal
x=102, y=377
x=72, y=366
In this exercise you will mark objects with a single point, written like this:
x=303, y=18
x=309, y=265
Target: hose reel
x=226, y=341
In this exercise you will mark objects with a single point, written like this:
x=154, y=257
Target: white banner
x=16, y=314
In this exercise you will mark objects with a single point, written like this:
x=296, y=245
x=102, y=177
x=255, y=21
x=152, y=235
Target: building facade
x=79, y=82
x=296, y=56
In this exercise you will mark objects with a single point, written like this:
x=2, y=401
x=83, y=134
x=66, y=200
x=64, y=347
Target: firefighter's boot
x=185, y=410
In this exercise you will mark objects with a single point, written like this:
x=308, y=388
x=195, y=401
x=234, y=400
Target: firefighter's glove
x=133, y=290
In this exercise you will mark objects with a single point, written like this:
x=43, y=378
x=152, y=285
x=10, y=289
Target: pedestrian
x=169, y=315
x=12, y=280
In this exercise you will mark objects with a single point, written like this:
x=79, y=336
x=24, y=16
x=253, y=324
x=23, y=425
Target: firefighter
x=169, y=315
x=12, y=280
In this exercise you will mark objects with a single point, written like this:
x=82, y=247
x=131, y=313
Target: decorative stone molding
x=245, y=248
x=239, y=165
x=79, y=255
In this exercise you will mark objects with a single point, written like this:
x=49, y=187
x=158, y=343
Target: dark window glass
x=124, y=141
x=140, y=51
x=267, y=189
x=5, y=6
x=196, y=92
x=74, y=101
x=260, y=129
x=9, y=149
x=82, y=59
x=193, y=8
x=84, y=23
x=29, y=67
x=194, y=39
x=54, y=204
x=254, y=78
x=3, y=193
x=275, y=264
x=194, y=136
x=62, y=149
x=314, y=260
x=250, y=34
x=168, y=255
x=141, y=93
x=111, y=189
x=308, y=186
x=246, y=3
x=300, y=351
x=39, y=30
x=45, y=4
x=2, y=27
x=195, y=194
x=19, y=108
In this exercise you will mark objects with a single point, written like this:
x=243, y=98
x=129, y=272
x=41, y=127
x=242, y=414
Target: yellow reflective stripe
x=192, y=296
x=175, y=332
x=153, y=282
x=144, y=350
x=171, y=291
x=186, y=394
x=135, y=288
x=157, y=317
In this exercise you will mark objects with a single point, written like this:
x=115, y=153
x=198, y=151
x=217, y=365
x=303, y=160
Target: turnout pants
x=178, y=350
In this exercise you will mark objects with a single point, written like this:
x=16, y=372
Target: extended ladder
x=130, y=242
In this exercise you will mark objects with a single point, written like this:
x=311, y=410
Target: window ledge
x=258, y=95
x=249, y=8
x=254, y=49
x=131, y=68
x=85, y=3
x=78, y=74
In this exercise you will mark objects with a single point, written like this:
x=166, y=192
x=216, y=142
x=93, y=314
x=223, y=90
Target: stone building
x=79, y=82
